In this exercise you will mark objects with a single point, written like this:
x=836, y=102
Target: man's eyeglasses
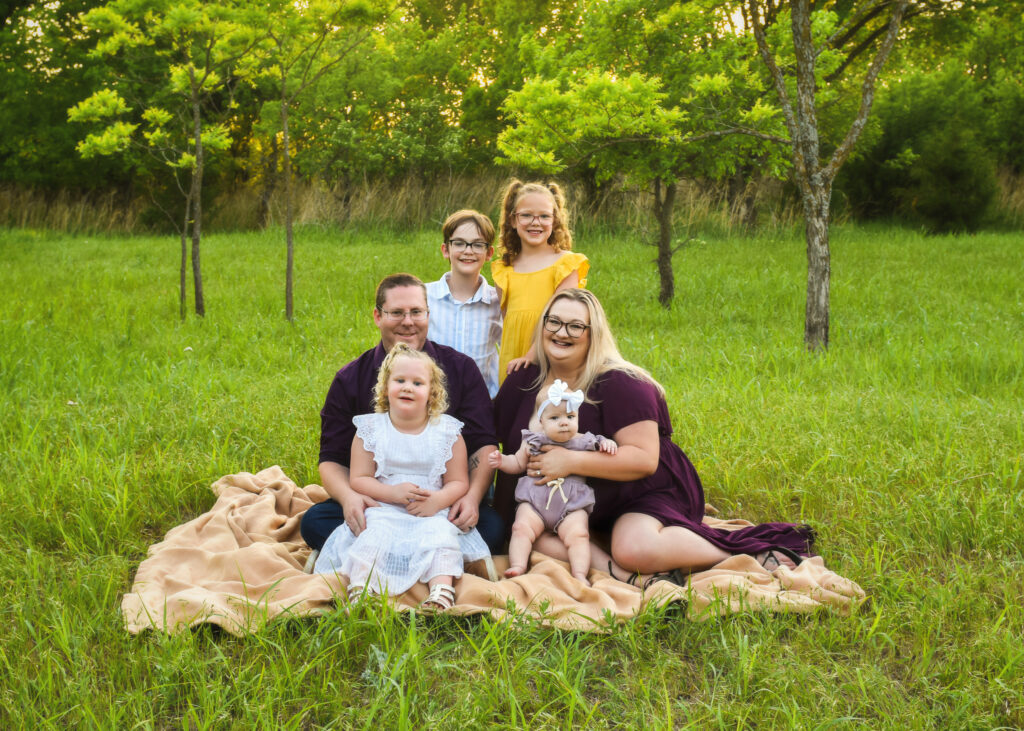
x=477, y=247
x=574, y=329
x=525, y=219
x=417, y=315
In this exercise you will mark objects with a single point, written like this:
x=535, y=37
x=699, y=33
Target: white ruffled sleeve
x=372, y=429
x=443, y=436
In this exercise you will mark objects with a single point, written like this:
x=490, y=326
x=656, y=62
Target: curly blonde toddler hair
x=437, y=401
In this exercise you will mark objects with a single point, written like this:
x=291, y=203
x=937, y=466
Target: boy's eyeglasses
x=417, y=315
x=477, y=247
x=574, y=329
x=525, y=219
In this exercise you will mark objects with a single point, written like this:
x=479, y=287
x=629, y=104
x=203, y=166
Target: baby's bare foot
x=514, y=571
x=582, y=577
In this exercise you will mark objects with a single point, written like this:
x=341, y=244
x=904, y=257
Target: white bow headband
x=559, y=392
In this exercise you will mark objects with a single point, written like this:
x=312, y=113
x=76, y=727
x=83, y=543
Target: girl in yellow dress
x=535, y=262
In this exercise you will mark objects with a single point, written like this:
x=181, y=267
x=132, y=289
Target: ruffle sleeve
x=569, y=262
x=501, y=273
x=625, y=401
x=444, y=435
x=371, y=428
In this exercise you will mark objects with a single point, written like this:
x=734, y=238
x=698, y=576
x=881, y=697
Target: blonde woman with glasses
x=649, y=501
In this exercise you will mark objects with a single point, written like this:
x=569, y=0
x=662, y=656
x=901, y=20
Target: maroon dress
x=673, y=494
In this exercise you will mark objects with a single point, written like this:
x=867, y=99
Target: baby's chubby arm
x=512, y=464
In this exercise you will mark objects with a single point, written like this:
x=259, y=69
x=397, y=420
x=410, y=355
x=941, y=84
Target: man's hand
x=465, y=513
x=354, y=509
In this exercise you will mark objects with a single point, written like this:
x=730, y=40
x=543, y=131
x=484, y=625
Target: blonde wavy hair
x=509, y=244
x=603, y=355
x=437, y=401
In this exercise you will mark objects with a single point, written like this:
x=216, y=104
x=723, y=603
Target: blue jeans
x=321, y=520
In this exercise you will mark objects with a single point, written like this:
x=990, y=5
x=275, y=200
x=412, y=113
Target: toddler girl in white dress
x=409, y=457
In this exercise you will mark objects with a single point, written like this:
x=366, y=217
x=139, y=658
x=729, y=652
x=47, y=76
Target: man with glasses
x=401, y=314
x=465, y=311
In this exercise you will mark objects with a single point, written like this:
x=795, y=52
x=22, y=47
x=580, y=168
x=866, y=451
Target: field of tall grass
x=903, y=446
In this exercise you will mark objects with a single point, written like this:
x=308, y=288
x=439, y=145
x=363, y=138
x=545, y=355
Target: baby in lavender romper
x=561, y=506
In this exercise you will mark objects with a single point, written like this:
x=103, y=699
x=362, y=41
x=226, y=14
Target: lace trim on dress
x=443, y=437
x=371, y=428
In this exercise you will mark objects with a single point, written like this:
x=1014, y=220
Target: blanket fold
x=239, y=566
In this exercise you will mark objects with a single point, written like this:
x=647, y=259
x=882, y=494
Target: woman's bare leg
x=641, y=543
x=525, y=531
x=575, y=536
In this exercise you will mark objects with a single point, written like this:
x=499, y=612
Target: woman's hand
x=553, y=462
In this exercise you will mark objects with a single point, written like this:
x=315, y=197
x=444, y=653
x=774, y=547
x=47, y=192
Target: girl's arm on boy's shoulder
x=454, y=485
x=362, y=478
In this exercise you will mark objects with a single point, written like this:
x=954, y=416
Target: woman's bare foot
x=514, y=571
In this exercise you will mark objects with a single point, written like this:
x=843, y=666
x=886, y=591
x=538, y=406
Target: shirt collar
x=482, y=294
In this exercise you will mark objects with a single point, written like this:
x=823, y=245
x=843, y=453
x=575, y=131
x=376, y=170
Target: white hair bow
x=559, y=392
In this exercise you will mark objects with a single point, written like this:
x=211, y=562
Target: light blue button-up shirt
x=472, y=327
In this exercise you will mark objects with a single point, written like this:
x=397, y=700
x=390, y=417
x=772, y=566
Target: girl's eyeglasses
x=526, y=219
x=574, y=329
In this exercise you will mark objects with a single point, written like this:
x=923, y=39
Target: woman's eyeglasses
x=477, y=247
x=574, y=329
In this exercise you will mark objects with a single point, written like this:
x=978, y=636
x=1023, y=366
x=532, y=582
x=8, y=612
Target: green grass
x=903, y=446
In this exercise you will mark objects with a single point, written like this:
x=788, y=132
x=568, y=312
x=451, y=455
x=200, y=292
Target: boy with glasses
x=465, y=311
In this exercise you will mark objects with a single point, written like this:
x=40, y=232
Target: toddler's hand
x=494, y=460
x=423, y=505
x=608, y=446
x=404, y=492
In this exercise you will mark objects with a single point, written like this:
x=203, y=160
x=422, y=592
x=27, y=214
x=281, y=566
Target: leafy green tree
x=656, y=91
x=202, y=49
x=800, y=62
x=305, y=43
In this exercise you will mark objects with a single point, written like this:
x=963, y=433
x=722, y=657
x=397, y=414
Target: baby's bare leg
x=525, y=530
x=575, y=534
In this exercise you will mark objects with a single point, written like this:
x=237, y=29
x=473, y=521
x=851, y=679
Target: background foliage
x=425, y=101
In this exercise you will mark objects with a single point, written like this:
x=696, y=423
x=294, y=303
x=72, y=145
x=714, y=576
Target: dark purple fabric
x=351, y=394
x=673, y=494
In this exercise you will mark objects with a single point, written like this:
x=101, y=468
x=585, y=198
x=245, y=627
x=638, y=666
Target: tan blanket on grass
x=240, y=565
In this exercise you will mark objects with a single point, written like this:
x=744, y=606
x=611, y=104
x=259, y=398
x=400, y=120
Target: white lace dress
x=397, y=550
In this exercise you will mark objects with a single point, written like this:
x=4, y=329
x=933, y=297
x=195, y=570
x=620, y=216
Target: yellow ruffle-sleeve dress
x=523, y=297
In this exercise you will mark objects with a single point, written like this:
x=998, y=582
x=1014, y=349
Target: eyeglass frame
x=531, y=217
x=454, y=245
x=562, y=323
x=390, y=314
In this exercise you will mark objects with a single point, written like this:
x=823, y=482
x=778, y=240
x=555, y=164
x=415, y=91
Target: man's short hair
x=483, y=224
x=397, y=280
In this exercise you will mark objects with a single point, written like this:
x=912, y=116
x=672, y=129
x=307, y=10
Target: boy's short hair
x=467, y=215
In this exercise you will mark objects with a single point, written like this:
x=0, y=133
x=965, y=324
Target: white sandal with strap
x=440, y=599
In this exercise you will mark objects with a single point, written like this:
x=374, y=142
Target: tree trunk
x=286, y=159
x=183, y=282
x=663, y=206
x=816, y=318
x=196, y=193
